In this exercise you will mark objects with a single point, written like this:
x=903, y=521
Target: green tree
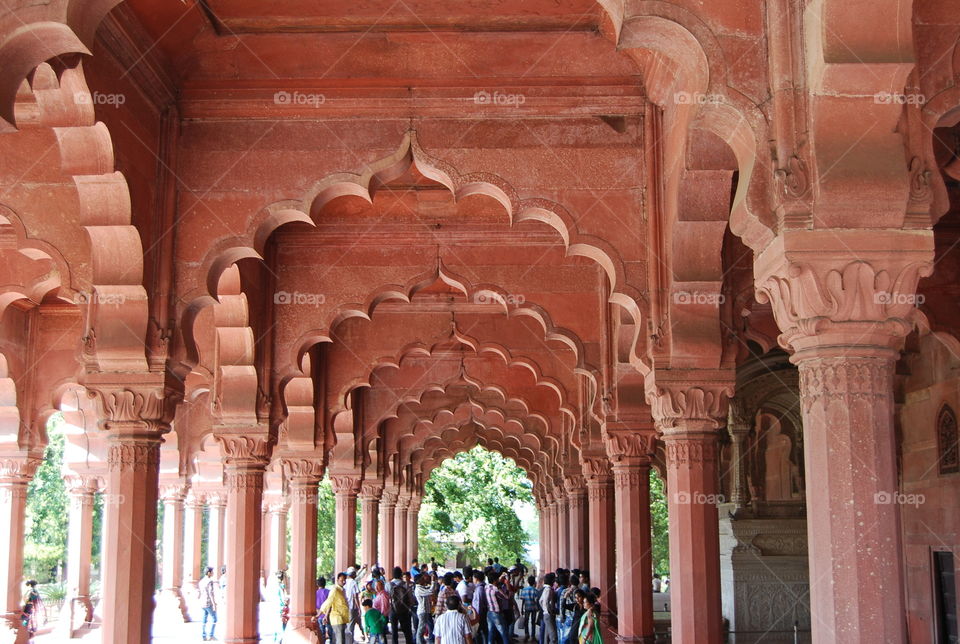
x=45, y=542
x=658, y=517
x=470, y=504
x=326, y=526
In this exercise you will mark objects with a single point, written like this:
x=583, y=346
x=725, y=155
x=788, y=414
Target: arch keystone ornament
x=688, y=409
x=845, y=319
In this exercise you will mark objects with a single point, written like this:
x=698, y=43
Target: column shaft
x=634, y=560
x=563, y=532
x=77, y=608
x=694, y=535
x=578, y=528
x=15, y=475
x=216, y=534
x=387, y=554
x=244, y=481
x=345, y=493
x=369, y=528
x=171, y=600
x=602, y=538
x=303, y=608
x=193, y=544
x=413, y=532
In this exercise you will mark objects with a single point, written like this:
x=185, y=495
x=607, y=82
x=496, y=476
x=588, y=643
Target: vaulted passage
x=691, y=266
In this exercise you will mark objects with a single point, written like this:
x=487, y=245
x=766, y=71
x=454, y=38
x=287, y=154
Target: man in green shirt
x=374, y=623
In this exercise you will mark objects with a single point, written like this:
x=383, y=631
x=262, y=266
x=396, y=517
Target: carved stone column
x=388, y=506
x=630, y=452
x=246, y=457
x=602, y=536
x=170, y=603
x=135, y=419
x=563, y=529
x=304, y=477
x=844, y=313
x=738, y=426
x=576, y=488
x=276, y=545
x=216, y=531
x=345, y=490
x=413, y=529
x=542, y=533
x=192, y=546
x=688, y=412
x=400, y=531
x=369, y=523
x=16, y=470
x=549, y=548
x=77, y=608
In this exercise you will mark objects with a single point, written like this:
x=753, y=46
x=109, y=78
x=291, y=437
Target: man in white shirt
x=548, y=608
x=452, y=627
x=208, y=589
x=351, y=590
x=463, y=589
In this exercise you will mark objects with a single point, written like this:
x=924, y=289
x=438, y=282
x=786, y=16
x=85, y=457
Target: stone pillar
x=16, y=470
x=217, y=504
x=276, y=545
x=542, y=534
x=413, y=529
x=304, y=478
x=369, y=523
x=78, y=609
x=245, y=461
x=388, y=505
x=192, y=544
x=630, y=452
x=345, y=490
x=845, y=311
x=602, y=536
x=738, y=427
x=576, y=488
x=546, y=518
x=563, y=530
x=400, y=531
x=555, y=561
x=135, y=417
x=688, y=411
x=170, y=603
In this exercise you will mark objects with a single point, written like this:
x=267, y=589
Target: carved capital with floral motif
x=575, y=486
x=345, y=485
x=388, y=499
x=691, y=402
x=133, y=409
x=371, y=490
x=629, y=446
x=173, y=492
x=253, y=449
x=302, y=469
x=835, y=290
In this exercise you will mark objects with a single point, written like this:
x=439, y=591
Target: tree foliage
x=45, y=542
x=658, y=519
x=470, y=505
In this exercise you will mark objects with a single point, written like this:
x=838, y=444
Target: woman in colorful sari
x=32, y=608
x=588, y=631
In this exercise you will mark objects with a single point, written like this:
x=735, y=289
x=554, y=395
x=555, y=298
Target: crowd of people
x=472, y=605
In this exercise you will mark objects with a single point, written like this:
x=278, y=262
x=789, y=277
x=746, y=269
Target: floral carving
x=134, y=455
x=305, y=468
x=629, y=445
x=350, y=486
x=704, y=404
x=238, y=447
x=151, y=407
x=846, y=378
x=690, y=451
x=794, y=179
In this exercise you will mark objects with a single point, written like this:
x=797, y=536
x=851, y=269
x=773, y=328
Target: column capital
x=694, y=400
x=245, y=449
x=596, y=471
x=371, y=491
x=834, y=290
x=345, y=484
x=403, y=502
x=195, y=499
x=388, y=499
x=19, y=466
x=173, y=492
x=80, y=485
x=739, y=421
x=575, y=485
x=302, y=470
x=629, y=447
x=276, y=506
x=133, y=408
x=216, y=498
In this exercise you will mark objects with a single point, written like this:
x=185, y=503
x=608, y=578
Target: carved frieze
x=133, y=455
x=691, y=451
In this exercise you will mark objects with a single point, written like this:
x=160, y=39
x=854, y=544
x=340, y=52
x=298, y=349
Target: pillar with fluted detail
x=135, y=416
x=413, y=530
x=370, y=523
x=192, y=548
x=631, y=453
x=246, y=455
x=345, y=489
x=77, y=607
x=303, y=476
x=388, y=505
x=16, y=470
x=689, y=409
x=217, y=509
x=170, y=603
x=576, y=488
x=400, y=525
x=845, y=300
x=563, y=529
x=602, y=537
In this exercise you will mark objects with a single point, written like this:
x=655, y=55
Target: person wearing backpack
x=400, y=604
x=424, y=593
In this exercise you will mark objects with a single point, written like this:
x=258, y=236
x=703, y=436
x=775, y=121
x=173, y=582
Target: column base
x=170, y=605
x=76, y=617
x=12, y=630
x=302, y=633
